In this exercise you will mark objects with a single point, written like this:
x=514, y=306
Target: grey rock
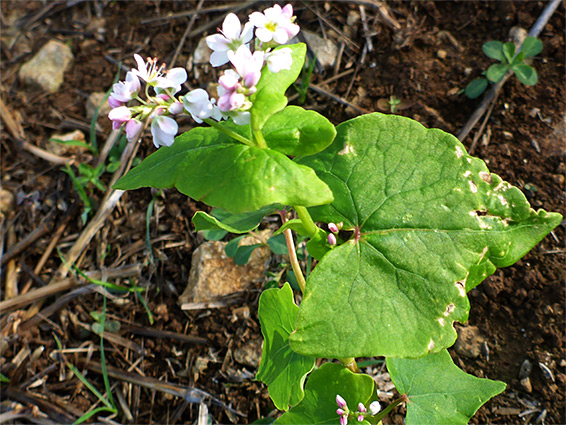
x=47, y=67
x=92, y=104
x=325, y=50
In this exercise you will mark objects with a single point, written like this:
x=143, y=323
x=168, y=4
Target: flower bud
x=341, y=402
x=340, y=412
x=360, y=418
x=331, y=239
x=362, y=408
x=343, y=420
x=333, y=227
x=374, y=408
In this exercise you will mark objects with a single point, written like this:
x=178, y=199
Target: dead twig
x=383, y=10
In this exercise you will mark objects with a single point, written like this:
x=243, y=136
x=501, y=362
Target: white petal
x=231, y=27
x=263, y=34
x=196, y=96
x=177, y=75
x=218, y=58
x=217, y=42
x=257, y=19
x=280, y=36
x=247, y=33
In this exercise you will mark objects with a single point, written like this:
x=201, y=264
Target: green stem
x=293, y=255
x=377, y=418
x=259, y=139
x=229, y=132
x=307, y=220
x=350, y=363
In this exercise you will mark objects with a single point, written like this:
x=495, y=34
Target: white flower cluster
x=273, y=27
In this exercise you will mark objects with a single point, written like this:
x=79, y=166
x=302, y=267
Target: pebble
x=526, y=384
x=46, y=69
x=325, y=50
x=546, y=371
x=441, y=54
x=93, y=103
x=7, y=201
x=518, y=35
x=469, y=341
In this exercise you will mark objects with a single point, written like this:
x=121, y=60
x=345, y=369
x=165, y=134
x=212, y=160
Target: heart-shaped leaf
x=526, y=74
x=496, y=72
x=429, y=224
x=270, y=95
x=283, y=370
x=494, y=50
x=439, y=392
x=209, y=166
x=532, y=46
x=233, y=223
x=297, y=132
x=319, y=405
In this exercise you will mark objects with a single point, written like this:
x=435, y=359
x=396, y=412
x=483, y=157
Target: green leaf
x=432, y=223
x=476, y=87
x=319, y=404
x=494, y=50
x=318, y=246
x=211, y=167
x=297, y=132
x=277, y=244
x=509, y=51
x=526, y=74
x=496, y=72
x=233, y=223
x=295, y=224
x=282, y=370
x=532, y=46
x=232, y=246
x=244, y=252
x=270, y=95
x=439, y=392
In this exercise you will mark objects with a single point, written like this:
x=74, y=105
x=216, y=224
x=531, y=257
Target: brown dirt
x=520, y=309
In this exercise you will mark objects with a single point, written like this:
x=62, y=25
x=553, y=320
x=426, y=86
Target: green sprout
x=510, y=60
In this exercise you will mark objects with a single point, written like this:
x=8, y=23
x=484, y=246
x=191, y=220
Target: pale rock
x=526, y=384
x=7, y=201
x=93, y=103
x=441, y=54
x=47, y=68
x=469, y=341
x=214, y=275
x=201, y=55
x=62, y=149
x=325, y=50
x=518, y=35
x=249, y=354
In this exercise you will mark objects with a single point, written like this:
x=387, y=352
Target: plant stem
x=350, y=363
x=259, y=139
x=229, y=132
x=377, y=418
x=293, y=255
x=307, y=220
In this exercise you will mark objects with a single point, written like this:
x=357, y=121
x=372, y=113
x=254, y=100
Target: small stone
x=249, y=354
x=534, y=112
x=518, y=35
x=325, y=50
x=202, y=52
x=441, y=54
x=7, y=201
x=526, y=384
x=214, y=275
x=47, y=67
x=508, y=135
x=526, y=368
x=65, y=149
x=469, y=342
x=94, y=101
x=353, y=18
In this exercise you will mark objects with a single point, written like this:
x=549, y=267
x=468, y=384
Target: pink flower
x=333, y=227
x=197, y=103
x=374, y=408
x=124, y=91
x=248, y=65
x=331, y=239
x=230, y=39
x=275, y=24
x=172, y=79
x=119, y=116
x=133, y=128
x=114, y=103
x=344, y=420
x=163, y=130
x=149, y=74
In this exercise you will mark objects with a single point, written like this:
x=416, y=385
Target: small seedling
x=393, y=104
x=509, y=59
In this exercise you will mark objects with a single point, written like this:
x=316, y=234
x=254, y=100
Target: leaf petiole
x=379, y=417
x=230, y=133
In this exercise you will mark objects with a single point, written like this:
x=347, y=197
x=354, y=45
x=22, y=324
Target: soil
x=427, y=62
